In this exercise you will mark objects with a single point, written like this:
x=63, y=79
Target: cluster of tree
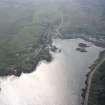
x=24, y=38
x=26, y=26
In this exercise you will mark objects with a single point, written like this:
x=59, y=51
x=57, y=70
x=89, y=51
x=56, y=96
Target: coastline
x=89, y=76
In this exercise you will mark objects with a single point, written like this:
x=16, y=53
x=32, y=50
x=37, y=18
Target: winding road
x=90, y=81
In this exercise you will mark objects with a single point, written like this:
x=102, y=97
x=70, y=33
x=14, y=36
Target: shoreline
x=89, y=76
x=44, y=54
x=95, y=42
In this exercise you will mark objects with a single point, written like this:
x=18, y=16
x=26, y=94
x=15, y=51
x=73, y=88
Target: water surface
x=56, y=83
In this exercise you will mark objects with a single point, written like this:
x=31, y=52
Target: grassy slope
x=97, y=91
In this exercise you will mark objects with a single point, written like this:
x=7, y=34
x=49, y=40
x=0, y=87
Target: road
x=90, y=81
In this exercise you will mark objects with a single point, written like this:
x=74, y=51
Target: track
x=90, y=81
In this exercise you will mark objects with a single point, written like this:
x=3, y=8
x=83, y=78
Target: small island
x=82, y=47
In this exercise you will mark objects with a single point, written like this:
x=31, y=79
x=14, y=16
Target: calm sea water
x=56, y=83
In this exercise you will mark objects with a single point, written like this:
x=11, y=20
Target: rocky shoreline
x=95, y=41
x=92, y=67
